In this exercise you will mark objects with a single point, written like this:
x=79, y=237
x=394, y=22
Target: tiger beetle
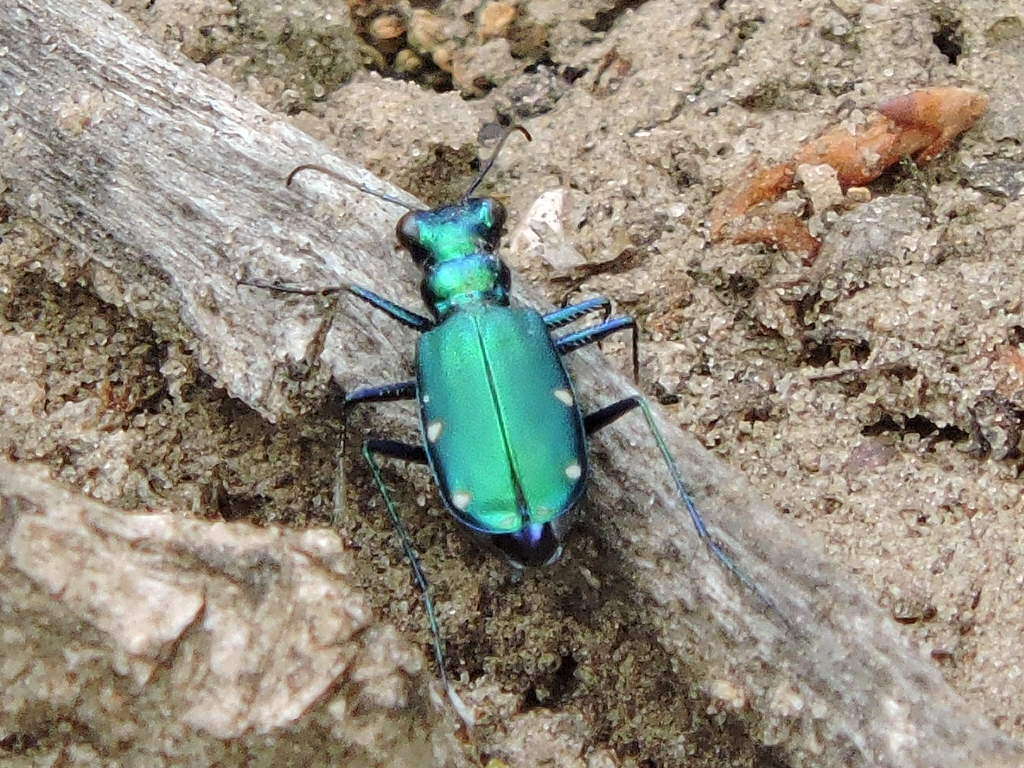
x=501, y=428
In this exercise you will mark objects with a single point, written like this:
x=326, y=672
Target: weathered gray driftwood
x=204, y=636
x=168, y=185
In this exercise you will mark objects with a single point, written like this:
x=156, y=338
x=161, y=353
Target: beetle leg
x=405, y=316
x=396, y=311
x=415, y=453
x=601, y=418
x=573, y=341
x=574, y=312
x=394, y=449
x=597, y=420
x=399, y=390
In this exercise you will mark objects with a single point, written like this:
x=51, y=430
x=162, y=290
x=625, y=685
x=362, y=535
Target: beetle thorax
x=470, y=279
x=455, y=246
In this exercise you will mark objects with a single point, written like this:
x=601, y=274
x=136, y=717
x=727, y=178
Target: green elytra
x=501, y=428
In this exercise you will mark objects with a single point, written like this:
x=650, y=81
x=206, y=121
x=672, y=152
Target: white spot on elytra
x=573, y=471
x=426, y=399
x=461, y=499
x=564, y=395
x=434, y=430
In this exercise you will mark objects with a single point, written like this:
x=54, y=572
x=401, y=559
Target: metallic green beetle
x=501, y=427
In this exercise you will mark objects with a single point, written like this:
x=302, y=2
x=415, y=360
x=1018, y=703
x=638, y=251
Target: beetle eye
x=491, y=220
x=498, y=216
x=408, y=232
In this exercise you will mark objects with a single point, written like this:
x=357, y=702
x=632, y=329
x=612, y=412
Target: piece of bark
x=169, y=186
x=167, y=639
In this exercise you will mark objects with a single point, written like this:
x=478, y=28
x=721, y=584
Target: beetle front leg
x=573, y=312
x=573, y=341
x=395, y=311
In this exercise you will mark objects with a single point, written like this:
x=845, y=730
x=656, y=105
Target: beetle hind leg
x=413, y=453
x=599, y=419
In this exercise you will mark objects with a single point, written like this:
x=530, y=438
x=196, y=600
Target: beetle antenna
x=494, y=156
x=347, y=181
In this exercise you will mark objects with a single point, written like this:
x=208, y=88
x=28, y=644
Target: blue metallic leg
x=573, y=341
x=405, y=316
x=414, y=453
x=394, y=449
x=400, y=390
x=598, y=419
x=574, y=312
